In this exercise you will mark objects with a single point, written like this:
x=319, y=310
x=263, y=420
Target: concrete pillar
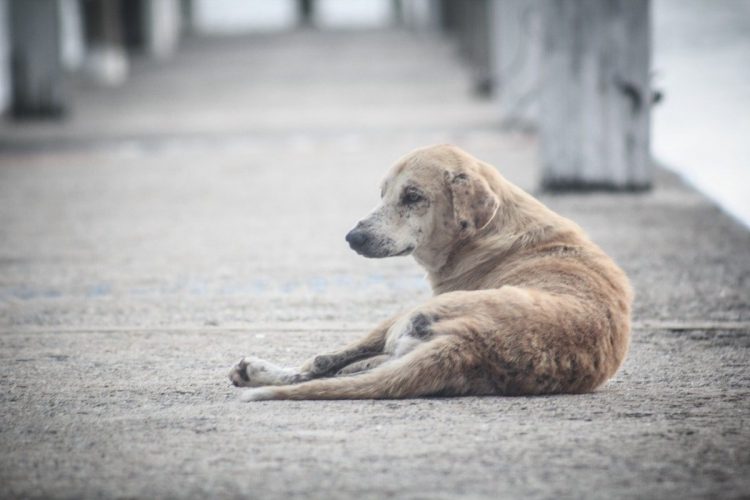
x=36, y=66
x=517, y=38
x=106, y=59
x=397, y=6
x=595, y=96
x=469, y=24
x=72, y=43
x=162, y=24
x=463, y=12
x=306, y=10
x=187, y=15
x=419, y=15
x=5, y=83
x=450, y=13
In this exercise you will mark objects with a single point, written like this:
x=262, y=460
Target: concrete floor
x=197, y=215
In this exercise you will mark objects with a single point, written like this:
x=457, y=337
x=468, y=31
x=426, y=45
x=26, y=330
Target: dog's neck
x=520, y=224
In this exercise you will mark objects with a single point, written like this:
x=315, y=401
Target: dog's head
x=430, y=199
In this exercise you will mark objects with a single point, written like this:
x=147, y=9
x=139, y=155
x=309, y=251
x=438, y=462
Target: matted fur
x=524, y=302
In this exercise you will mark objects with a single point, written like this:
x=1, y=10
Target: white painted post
x=596, y=98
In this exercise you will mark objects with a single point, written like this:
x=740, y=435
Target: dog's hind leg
x=364, y=365
x=440, y=366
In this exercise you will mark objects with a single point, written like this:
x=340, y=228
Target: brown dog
x=524, y=302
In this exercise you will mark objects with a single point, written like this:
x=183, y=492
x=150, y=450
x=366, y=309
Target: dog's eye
x=411, y=197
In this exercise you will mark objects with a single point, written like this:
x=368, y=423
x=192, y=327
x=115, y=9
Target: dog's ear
x=474, y=203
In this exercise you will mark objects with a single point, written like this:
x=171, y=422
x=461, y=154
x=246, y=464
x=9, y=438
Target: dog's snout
x=357, y=238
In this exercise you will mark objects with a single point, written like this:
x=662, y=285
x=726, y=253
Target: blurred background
x=207, y=141
x=691, y=58
x=222, y=148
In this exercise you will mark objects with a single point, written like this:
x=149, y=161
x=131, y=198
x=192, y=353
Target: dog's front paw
x=256, y=372
x=238, y=374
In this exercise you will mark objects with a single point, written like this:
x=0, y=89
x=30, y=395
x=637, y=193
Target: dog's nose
x=356, y=238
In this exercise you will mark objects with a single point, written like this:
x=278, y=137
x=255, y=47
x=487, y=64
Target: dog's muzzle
x=369, y=244
x=366, y=243
x=358, y=238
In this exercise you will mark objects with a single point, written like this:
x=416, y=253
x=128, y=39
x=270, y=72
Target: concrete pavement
x=197, y=215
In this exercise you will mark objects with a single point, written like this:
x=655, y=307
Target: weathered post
x=72, y=43
x=418, y=15
x=595, y=94
x=481, y=47
x=397, y=7
x=107, y=61
x=162, y=23
x=472, y=28
x=306, y=9
x=516, y=53
x=36, y=65
x=4, y=57
x=450, y=10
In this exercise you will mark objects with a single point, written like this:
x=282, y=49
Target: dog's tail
x=436, y=367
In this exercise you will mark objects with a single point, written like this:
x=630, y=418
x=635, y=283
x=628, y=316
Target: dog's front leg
x=370, y=345
x=256, y=372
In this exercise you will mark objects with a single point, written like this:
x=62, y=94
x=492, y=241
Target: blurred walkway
x=197, y=215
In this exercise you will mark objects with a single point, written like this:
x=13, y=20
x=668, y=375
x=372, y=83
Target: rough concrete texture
x=197, y=215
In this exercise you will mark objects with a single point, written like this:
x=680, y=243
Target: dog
x=524, y=302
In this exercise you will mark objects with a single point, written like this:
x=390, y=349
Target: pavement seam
x=740, y=327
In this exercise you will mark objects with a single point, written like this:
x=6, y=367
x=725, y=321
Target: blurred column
x=151, y=26
x=36, y=66
x=72, y=44
x=418, y=15
x=516, y=52
x=595, y=96
x=306, y=10
x=450, y=11
x=398, y=12
x=162, y=23
x=473, y=34
x=106, y=60
x=4, y=57
x=186, y=16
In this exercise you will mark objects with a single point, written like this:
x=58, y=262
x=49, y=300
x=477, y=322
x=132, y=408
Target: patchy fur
x=524, y=302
